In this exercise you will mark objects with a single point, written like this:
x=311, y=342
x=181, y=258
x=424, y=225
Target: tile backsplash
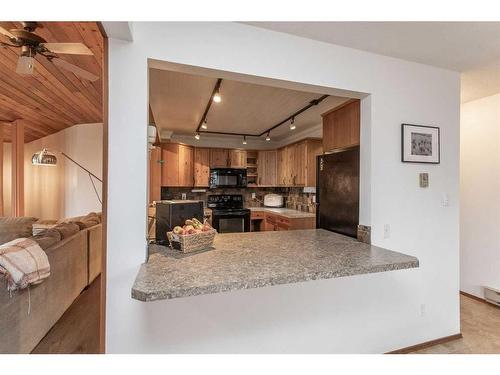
x=294, y=197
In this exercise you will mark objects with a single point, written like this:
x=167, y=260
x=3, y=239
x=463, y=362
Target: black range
x=228, y=214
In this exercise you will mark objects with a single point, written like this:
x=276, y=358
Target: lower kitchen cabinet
x=265, y=221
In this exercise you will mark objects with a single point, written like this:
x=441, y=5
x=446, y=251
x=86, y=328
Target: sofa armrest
x=95, y=252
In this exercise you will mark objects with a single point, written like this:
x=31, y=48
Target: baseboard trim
x=426, y=344
x=474, y=297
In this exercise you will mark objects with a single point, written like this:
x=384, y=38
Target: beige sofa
x=75, y=262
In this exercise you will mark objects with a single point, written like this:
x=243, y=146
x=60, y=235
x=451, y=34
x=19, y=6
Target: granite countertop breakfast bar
x=259, y=259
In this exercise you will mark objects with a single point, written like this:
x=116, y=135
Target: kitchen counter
x=285, y=212
x=259, y=259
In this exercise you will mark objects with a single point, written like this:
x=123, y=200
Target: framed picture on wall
x=420, y=144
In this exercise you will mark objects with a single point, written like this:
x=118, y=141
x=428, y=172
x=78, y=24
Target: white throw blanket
x=23, y=263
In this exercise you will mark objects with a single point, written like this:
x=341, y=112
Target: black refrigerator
x=337, y=192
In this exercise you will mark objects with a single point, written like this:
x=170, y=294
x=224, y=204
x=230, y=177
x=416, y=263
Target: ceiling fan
x=32, y=45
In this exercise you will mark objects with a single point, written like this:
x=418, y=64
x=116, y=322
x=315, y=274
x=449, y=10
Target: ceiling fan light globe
x=25, y=65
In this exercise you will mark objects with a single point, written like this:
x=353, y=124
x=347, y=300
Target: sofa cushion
x=15, y=227
x=47, y=238
x=80, y=224
x=67, y=229
x=90, y=220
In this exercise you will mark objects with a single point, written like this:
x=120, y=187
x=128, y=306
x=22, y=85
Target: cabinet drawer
x=257, y=215
x=271, y=219
x=283, y=220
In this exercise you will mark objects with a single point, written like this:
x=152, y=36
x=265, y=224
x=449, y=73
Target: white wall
x=363, y=314
x=480, y=195
x=64, y=190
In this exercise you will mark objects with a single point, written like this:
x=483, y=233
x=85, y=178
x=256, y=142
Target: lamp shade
x=43, y=157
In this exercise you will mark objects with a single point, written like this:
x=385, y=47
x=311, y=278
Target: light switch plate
x=424, y=180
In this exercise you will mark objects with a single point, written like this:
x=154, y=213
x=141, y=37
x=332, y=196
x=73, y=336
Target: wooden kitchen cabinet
x=297, y=163
x=283, y=167
x=201, y=167
x=237, y=158
x=267, y=168
x=341, y=126
x=155, y=162
x=219, y=158
x=224, y=158
x=275, y=222
x=177, y=166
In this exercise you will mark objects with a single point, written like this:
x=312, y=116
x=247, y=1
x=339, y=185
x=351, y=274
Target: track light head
x=292, y=124
x=197, y=136
x=244, y=140
x=268, y=138
x=204, y=124
x=217, y=98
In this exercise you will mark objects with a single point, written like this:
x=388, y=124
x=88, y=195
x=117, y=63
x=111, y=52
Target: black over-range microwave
x=228, y=178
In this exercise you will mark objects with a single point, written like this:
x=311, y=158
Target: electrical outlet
x=387, y=231
x=184, y=196
x=422, y=310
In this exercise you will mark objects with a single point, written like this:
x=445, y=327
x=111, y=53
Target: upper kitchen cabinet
x=219, y=158
x=237, y=159
x=155, y=162
x=283, y=167
x=201, y=167
x=267, y=168
x=177, y=166
x=224, y=158
x=341, y=126
x=297, y=163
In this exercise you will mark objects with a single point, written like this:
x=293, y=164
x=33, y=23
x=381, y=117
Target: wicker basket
x=192, y=242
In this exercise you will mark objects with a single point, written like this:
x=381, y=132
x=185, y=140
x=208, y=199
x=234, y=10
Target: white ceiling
x=472, y=48
x=178, y=101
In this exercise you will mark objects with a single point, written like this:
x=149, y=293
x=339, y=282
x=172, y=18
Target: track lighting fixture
x=244, y=139
x=268, y=138
x=217, y=98
x=292, y=124
x=197, y=136
x=204, y=125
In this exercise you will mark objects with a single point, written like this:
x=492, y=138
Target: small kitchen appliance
x=273, y=200
x=172, y=213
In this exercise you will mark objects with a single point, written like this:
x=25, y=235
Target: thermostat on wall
x=424, y=180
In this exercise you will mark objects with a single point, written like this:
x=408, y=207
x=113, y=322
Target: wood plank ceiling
x=52, y=99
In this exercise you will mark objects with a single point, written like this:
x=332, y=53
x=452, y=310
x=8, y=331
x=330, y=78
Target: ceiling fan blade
x=7, y=33
x=68, y=48
x=82, y=73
